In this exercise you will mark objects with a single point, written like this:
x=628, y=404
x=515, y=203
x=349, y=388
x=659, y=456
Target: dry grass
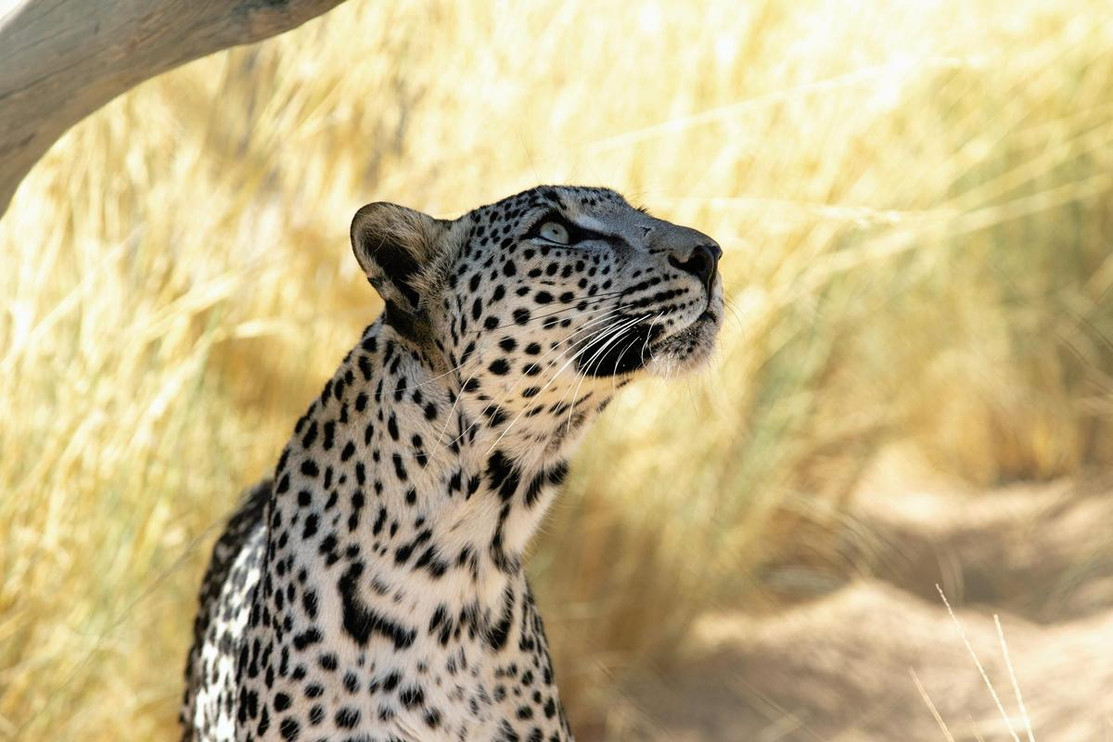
x=915, y=203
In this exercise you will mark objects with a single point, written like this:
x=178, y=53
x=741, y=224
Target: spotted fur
x=373, y=589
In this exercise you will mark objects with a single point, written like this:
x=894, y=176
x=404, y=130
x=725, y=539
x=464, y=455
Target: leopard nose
x=702, y=262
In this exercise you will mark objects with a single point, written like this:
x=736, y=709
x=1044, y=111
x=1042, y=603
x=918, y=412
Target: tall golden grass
x=916, y=203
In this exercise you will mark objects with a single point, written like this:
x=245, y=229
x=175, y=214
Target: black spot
x=351, y=682
x=558, y=473
x=411, y=696
x=309, y=603
x=380, y=521
x=399, y=467
x=328, y=544
x=360, y=621
x=365, y=368
x=533, y=490
x=311, y=523
x=264, y=722
x=506, y=733
x=306, y=638
x=498, y=633
x=347, y=718
x=310, y=435
x=432, y=563
x=503, y=475
x=290, y=729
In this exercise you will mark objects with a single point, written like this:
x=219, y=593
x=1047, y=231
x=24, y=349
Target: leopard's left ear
x=394, y=245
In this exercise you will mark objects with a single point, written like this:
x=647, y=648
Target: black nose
x=701, y=263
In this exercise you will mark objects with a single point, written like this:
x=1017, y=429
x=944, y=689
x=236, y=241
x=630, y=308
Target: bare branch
x=60, y=60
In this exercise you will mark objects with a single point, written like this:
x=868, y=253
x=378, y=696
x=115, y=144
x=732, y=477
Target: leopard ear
x=393, y=245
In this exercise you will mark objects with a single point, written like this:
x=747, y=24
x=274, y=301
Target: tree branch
x=60, y=60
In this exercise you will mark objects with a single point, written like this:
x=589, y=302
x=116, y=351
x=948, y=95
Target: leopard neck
x=399, y=461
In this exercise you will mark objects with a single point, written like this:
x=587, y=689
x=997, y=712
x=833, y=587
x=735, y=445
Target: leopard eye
x=554, y=232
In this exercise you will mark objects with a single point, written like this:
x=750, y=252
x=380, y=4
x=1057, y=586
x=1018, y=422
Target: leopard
x=373, y=588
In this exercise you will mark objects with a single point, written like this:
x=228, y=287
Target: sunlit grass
x=914, y=200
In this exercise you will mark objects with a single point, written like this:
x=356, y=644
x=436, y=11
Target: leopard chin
x=687, y=350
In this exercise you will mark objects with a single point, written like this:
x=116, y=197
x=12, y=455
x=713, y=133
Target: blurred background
x=914, y=387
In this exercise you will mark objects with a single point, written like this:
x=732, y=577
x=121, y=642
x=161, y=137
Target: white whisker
x=554, y=378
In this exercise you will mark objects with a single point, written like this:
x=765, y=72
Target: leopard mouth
x=645, y=344
x=618, y=352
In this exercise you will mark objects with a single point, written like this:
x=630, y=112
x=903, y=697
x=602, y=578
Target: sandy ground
x=845, y=666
